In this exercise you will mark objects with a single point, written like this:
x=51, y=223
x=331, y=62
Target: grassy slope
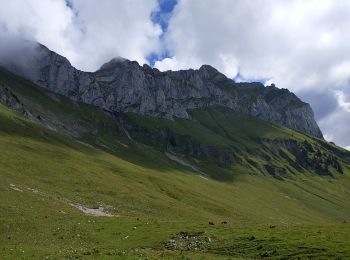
x=254, y=143
x=140, y=182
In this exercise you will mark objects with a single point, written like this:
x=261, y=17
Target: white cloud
x=328, y=137
x=300, y=45
x=342, y=102
x=111, y=28
x=340, y=73
x=336, y=127
x=48, y=22
x=169, y=64
x=91, y=34
x=336, y=123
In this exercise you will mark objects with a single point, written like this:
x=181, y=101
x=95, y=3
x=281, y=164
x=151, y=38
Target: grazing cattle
x=211, y=223
x=272, y=226
x=224, y=222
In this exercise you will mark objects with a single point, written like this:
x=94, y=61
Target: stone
x=122, y=85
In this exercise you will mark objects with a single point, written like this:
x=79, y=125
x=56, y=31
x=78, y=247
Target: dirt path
x=97, y=212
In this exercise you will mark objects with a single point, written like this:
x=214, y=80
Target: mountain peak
x=208, y=68
x=112, y=63
x=121, y=85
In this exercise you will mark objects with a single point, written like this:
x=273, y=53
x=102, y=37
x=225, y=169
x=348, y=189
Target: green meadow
x=81, y=188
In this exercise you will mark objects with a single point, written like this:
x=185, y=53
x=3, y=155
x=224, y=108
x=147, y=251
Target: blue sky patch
x=162, y=17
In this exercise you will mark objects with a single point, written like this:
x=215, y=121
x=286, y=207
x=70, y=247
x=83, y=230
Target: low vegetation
x=91, y=186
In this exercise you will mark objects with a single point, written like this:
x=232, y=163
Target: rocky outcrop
x=180, y=143
x=49, y=120
x=124, y=86
x=306, y=157
x=10, y=100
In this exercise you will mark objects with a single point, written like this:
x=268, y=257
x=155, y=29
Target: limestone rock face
x=11, y=101
x=124, y=86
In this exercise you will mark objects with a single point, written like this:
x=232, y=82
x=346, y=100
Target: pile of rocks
x=188, y=241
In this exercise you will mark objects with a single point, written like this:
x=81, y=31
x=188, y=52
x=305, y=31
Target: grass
x=153, y=198
x=237, y=142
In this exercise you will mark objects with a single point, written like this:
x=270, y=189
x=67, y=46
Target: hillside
x=78, y=181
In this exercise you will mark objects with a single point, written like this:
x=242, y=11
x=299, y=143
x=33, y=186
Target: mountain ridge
x=155, y=180
x=122, y=86
x=217, y=139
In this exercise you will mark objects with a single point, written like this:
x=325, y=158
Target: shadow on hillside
x=152, y=158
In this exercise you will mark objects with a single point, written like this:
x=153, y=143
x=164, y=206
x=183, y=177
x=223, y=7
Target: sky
x=296, y=44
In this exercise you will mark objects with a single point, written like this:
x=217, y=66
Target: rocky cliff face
x=124, y=86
